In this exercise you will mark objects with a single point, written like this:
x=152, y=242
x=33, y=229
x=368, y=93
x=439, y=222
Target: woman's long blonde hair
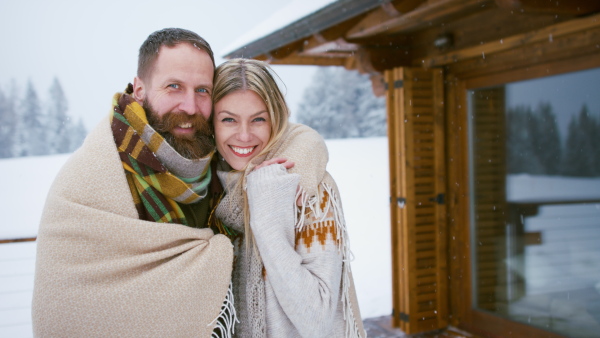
x=257, y=76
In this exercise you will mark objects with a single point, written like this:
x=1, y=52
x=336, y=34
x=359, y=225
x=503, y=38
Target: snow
x=296, y=10
x=523, y=188
x=364, y=188
x=25, y=183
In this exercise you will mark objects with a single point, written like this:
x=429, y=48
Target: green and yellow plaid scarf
x=156, y=190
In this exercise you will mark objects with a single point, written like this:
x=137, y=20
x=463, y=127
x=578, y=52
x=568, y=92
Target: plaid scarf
x=159, y=178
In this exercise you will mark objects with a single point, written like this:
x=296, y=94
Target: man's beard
x=191, y=147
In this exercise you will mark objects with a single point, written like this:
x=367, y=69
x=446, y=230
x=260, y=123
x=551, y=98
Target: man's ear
x=139, y=90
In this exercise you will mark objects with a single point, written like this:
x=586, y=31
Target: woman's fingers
x=288, y=164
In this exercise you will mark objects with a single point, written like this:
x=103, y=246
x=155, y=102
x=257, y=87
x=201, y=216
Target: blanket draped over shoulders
x=103, y=272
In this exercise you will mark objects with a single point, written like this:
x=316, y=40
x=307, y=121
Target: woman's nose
x=244, y=134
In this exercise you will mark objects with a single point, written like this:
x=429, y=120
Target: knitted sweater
x=308, y=288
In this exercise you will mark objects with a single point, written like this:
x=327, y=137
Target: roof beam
x=569, y=7
x=310, y=60
x=383, y=14
x=339, y=45
x=421, y=16
x=545, y=34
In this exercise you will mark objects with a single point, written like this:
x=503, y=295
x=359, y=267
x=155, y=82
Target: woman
x=291, y=273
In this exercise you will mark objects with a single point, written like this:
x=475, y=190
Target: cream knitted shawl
x=102, y=272
x=252, y=294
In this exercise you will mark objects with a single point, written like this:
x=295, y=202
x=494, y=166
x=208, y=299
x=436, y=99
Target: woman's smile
x=243, y=151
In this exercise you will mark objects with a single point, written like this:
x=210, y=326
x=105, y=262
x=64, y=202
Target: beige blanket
x=102, y=272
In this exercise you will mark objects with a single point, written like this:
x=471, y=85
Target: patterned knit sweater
x=308, y=287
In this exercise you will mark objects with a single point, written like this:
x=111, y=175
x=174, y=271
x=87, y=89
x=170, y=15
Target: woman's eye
x=259, y=119
x=228, y=119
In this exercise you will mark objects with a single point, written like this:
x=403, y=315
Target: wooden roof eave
x=331, y=15
x=378, y=35
x=511, y=42
x=379, y=22
x=569, y=8
x=363, y=21
x=422, y=14
x=324, y=59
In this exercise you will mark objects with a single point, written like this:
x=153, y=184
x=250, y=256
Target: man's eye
x=202, y=90
x=174, y=85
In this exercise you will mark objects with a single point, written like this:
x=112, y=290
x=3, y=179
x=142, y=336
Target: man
x=108, y=263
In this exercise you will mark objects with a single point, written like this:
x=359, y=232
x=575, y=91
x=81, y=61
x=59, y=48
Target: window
x=535, y=208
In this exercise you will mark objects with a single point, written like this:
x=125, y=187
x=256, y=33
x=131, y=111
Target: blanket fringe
x=225, y=327
x=334, y=205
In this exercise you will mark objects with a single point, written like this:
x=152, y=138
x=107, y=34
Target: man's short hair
x=167, y=37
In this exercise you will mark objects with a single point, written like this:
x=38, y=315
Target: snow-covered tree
x=533, y=142
x=547, y=140
x=341, y=104
x=77, y=133
x=8, y=122
x=59, y=123
x=28, y=128
x=520, y=150
x=581, y=155
x=31, y=129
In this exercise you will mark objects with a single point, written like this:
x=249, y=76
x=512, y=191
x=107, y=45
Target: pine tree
x=580, y=149
x=6, y=116
x=32, y=133
x=77, y=134
x=59, y=123
x=546, y=139
x=372, y=111
x=521, y=154
x=341, y=104
x=8, y=121
x=533, y=141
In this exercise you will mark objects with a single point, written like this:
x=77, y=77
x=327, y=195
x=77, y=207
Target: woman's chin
x=237, y=163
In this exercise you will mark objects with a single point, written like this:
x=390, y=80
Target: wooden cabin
x=487, y=235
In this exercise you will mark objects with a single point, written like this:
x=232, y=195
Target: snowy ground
x=360, y=167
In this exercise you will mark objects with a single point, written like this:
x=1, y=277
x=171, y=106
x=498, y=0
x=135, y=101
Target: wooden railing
x=17, y=240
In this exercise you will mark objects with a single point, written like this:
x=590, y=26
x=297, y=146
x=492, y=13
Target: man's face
x=177, y=95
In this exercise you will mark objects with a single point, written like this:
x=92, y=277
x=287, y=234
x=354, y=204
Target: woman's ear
x=139, y=90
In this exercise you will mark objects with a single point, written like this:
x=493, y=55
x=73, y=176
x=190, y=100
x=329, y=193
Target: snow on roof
x=296, y=10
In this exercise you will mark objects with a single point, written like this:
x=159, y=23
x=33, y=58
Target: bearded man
x=124, y=246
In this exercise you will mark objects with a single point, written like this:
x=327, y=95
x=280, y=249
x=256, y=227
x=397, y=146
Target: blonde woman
x=291, y=275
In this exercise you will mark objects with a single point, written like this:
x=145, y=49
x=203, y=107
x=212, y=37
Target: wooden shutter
x=417, y=189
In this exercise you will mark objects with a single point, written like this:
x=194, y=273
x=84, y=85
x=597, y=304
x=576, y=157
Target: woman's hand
x=287, y=165
x=278, y=160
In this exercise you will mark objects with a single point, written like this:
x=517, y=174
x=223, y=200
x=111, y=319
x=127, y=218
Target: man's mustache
x=170, y=120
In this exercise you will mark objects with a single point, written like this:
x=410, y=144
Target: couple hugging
x=195, y=209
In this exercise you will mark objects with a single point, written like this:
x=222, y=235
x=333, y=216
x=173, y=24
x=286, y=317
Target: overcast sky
x=92, y=46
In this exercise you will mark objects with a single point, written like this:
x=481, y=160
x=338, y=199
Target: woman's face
x=242, y=127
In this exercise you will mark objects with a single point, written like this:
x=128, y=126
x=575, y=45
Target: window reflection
x=535, y=207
